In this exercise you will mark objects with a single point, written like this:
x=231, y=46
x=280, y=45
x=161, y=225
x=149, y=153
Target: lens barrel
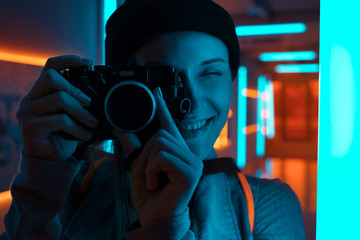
x=129, y=106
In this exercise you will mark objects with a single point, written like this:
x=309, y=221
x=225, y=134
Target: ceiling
x=251, y=12
x=242, y=8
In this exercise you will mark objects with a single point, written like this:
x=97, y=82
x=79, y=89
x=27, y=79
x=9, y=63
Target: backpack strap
x=228, y=164
x=249, y=198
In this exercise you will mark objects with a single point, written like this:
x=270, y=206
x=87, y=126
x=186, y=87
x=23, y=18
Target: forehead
x=182, y=47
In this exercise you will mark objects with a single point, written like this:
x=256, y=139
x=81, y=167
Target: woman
x=56, y=196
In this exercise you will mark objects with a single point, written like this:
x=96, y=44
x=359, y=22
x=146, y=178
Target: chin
x=200, y=149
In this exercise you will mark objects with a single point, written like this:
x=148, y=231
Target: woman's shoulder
x=273, y=194
x=277, y=208
x=262, y=187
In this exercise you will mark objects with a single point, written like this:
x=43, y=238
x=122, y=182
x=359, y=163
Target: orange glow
x=22, y=58
x=223, y=140
x=5, y=202
x=294, y=172
x=250, y=93
x=230, y=113
x=5, y=196
x=250, y=129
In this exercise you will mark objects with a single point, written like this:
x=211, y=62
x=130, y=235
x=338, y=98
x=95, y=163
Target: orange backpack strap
x=249, y=198
x=229, y=164
x=90, y=173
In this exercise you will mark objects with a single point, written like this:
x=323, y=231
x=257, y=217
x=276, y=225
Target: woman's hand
x=165, y=174
x=51, y=106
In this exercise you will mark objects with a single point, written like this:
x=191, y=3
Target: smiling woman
x=170, y=185
x=203, y=65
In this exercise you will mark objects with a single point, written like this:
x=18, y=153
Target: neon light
x=109, y=8
x=269, y=29
x=269, y=168
x=269, y=106
x=342, y=101
x=4, y=196
x=250, y=129
x=23, y=59
x=297, y=68
x=241, y=118
x=339, y=117
x=287, y=56
x=260, y=137
x=250, y=93
x=265, y=113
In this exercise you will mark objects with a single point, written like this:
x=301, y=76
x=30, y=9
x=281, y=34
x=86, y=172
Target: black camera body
x=122, y=98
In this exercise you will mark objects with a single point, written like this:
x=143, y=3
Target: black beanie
x=138, y=21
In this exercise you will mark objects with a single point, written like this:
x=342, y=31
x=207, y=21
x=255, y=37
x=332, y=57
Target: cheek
x=222, y=98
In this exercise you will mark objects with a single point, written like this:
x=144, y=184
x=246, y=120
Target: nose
x=193, y=92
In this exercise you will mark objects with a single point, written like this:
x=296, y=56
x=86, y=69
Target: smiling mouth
x=193, y=126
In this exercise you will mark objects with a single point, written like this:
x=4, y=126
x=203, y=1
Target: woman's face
x=203, y=65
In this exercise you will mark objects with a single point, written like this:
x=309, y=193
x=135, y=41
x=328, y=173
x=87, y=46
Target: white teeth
x=193, y=126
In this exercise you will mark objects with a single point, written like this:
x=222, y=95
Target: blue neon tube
x=287, y=56
x=241, y=118
x=297, y=68
x=260, y=137
x=270, y=29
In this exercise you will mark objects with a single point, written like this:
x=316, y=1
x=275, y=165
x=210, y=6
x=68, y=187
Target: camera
x=122, y=98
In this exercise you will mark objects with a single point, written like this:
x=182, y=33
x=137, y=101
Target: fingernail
x=85, y=100
x=158, y=92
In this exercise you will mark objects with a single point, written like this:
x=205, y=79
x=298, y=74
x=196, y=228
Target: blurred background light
x=269, y=29
x=109, y=7
x=338, y=207
x=242, y=116
x=22, y=58
x=297, y=68
x=269, y=107
x=260, y=136
x=287, y=56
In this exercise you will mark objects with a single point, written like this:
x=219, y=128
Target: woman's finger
x=62, y=62
x=165, y=119
x=58, y=102
x=164, y=141
x=51, y=81
x=177, y=172
x=47, y=125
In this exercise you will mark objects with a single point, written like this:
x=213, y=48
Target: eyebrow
x=207, y=62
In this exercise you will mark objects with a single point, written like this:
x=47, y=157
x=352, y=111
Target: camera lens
x=129, y=106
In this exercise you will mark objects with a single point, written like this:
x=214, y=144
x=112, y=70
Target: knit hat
x=139, y=21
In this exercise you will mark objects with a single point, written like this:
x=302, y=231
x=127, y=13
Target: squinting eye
x=211, y=74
